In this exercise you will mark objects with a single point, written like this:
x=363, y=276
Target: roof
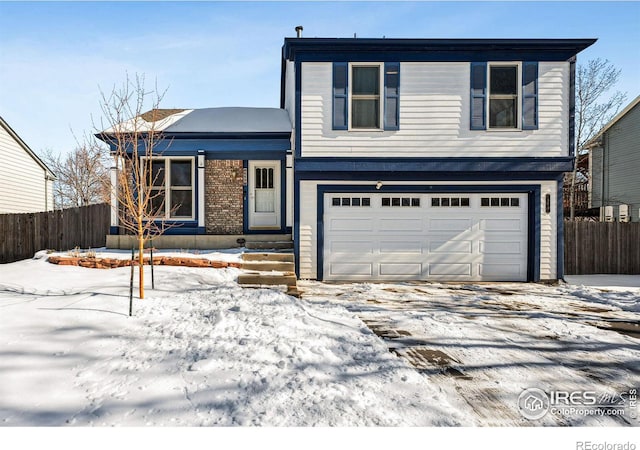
x=553, y=49
x=26, y=148
x=208, y=121
x=613, y=121
x=233, y=120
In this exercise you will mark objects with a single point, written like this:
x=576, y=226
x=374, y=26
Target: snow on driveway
x=484, y=344
x=199, y=350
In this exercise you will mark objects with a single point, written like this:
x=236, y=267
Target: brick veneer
x=223, y=197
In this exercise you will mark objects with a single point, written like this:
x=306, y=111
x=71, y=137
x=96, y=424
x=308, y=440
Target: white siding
x=290, y=91
x=434, y=117
x=309, y=233
x=22, y=180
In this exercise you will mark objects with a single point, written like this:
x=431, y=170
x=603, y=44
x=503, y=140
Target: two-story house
x=430, y=159
x=389, y=159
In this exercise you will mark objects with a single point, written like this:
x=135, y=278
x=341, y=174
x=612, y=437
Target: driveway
x=484, y=344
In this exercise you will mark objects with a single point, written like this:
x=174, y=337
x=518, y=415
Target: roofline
x=105, y=137
x=564, y=46
x=613, y=121
x=26, y=148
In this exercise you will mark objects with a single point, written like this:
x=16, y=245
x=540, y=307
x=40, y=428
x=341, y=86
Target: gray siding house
x=614, y=166
x=26, y=183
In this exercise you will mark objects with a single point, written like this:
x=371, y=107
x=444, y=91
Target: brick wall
x=223, y=197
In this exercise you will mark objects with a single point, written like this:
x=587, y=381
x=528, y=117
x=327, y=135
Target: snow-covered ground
x=200, y=350
x=484, y=344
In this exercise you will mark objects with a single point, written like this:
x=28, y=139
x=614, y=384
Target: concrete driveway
x=485, y=344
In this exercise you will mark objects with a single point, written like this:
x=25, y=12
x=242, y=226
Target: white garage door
x=465, y=237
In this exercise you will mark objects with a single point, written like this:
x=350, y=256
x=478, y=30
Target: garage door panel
x=395, y=247
x=414, y=270
x=352, y=247
x=451, y=247
x=435, y=239
x=351, y=269
x=449, y=224
x=350, y=225
x=400, y=224
x=500, y=270
x=450, y=269
x=501, y=248
x=501, y=224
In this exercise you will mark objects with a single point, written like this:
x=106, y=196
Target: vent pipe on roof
x=299, y=31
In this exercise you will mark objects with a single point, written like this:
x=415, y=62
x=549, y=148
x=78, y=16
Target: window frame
x=168, y=189
x=518, y=118
x=381, y=95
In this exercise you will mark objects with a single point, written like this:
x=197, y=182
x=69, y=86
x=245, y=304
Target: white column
x=114, y=196
x=201, y=190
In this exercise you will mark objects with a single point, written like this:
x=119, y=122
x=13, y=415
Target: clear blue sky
x=55, y=56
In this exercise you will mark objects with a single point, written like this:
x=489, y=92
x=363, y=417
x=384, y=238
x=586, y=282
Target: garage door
x=453, y=237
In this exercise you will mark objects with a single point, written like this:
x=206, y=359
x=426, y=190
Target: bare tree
x=83, y=177
x=133, y=137
x=593, y=109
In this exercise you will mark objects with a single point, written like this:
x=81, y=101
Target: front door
x=264, y=195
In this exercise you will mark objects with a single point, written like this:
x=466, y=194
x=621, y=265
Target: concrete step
x=267, y=266
x=265, y=245
x=257, y=279
x=272, y=257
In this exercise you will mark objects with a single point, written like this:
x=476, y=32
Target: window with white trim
x=365, y=97
x=172, y=188
x=504, y=92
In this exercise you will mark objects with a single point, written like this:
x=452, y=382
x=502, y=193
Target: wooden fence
x=601, y=247
x=21, y=235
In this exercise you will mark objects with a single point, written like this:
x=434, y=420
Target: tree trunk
x=141, y=261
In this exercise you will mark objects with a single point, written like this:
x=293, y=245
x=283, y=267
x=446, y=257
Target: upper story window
x=172, y=192
x=366, y=96
x=503, y=96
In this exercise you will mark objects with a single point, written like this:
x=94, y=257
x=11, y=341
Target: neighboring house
x=413, y=159
x=26, y=183
x=614, y=167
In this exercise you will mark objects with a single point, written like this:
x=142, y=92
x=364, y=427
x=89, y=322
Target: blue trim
x=352, y=166
x=530, y=75
x=221, y=146
x=560, y=230
x=534, y=228
x=337, y=68
x=182, y=228
x=298, y=110
x=245, y=197
x=296, y=222
x=478, y=90
x=572, y=106
x=114, y=230
x=390, y=67
x=348, y=49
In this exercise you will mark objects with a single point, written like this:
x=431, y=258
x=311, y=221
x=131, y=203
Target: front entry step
x=271, y=257
x=268, y=245
x=269, y=269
